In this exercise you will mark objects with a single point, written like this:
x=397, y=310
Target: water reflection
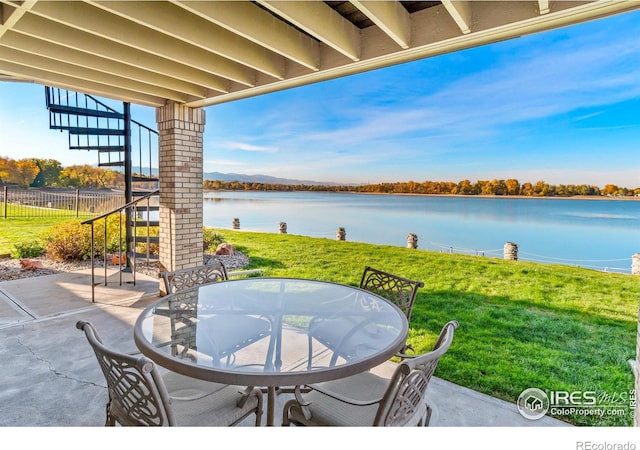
x=601, y=234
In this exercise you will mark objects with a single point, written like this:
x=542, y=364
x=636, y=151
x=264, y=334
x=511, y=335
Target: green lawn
x=522, y=325
x=17, y=230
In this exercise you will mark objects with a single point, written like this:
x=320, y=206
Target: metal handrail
x=118, y=211
x=121, y=208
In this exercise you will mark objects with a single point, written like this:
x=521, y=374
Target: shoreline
x=409, y=194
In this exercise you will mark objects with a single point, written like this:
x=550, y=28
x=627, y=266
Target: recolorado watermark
x=534, y=403
x=589, y=445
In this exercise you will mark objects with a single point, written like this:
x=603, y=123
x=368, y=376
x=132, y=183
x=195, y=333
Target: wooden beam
x=89, y=19
x=48, y=78
x=87, y=74
x=178, y=24
x=543, y=6
x=390, y=17
x=46, y=49
x=322, y=22
x=460, y=11
x=187, y=67
x=257, y=25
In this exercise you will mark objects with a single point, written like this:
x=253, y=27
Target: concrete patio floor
x=50, y=377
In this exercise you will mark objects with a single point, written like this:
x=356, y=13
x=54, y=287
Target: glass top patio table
x=255, y=332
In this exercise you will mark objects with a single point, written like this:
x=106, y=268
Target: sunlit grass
x=17, y=230
x=522, y=324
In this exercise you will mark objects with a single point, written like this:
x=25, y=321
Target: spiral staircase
x=121, y=144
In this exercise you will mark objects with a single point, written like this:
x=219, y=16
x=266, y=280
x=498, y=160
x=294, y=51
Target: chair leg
x=427, y=417
x=285, y=416
x=110, y=421
x=259, y=412
x=310, y=353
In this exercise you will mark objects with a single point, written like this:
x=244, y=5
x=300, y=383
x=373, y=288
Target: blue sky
x=561, y=106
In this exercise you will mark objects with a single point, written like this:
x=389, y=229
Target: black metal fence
x=29, y=203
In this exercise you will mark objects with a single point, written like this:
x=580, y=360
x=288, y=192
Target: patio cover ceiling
x=203, y=53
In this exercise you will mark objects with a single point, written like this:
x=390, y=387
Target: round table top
x=256, y=331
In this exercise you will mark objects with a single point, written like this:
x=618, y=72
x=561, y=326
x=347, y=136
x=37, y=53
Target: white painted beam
x=460, y=11
x=390, y=17
x=257, y=25
x=543, y=6
x=179, y=24
x=89, y=19
x=322, y=22
x=188, y=67
x=49, y=78
x=88, y=74
x=12, y=13
x=46, y=49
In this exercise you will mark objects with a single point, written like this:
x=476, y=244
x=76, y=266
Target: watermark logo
x=533, y=403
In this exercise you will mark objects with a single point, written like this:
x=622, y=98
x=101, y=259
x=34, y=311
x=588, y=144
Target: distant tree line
x=510, y=187
x=35, y=172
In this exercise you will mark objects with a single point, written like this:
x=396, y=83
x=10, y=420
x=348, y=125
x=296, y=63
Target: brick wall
x=180, y=134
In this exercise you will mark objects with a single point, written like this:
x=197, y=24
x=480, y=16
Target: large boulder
x=31, y=264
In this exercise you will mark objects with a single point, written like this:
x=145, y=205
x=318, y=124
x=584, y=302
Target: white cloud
x=249, y=147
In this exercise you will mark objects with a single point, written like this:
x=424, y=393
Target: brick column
x=180, y=135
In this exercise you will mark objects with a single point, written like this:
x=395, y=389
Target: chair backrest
x=404, y=399
x=137, y=394
x=398, y=290
x=179, y=280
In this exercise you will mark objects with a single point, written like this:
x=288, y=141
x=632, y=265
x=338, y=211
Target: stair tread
x=100, y=148
x=143, y=223
x=143, y=239
x=92, y=131
x=87, y=112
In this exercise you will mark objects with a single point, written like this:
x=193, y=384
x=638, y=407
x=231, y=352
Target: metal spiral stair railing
x=122, y=144
x=132, y=255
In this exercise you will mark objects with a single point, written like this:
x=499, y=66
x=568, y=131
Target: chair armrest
x=405, y=355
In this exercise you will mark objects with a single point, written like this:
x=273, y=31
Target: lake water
x=599, y=234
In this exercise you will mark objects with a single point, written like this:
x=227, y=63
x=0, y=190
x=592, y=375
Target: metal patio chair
x=139, y=395
x=369, y=400
x=331, y=332
x=179, y=280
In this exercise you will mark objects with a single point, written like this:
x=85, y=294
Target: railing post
x=93, y=284
x=128, y=188
x=510, y=251
x=104, y=256
x=77, y=202
x=5, y=201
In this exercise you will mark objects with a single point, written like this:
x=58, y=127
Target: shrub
x=69, y=241
x=28, y=249
x=211, y=240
